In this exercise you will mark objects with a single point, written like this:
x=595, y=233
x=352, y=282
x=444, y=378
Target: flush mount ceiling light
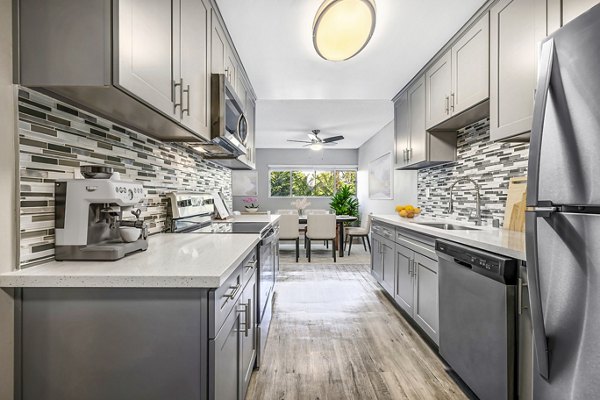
x=316, y=146
x=342, y=28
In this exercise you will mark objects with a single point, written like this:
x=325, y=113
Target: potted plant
x=344, y=202
x=251, y=204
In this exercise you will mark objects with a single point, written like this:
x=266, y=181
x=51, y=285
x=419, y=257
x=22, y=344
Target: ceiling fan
x=316, y=143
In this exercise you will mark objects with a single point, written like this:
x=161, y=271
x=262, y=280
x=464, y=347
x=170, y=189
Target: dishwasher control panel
x=495, y=266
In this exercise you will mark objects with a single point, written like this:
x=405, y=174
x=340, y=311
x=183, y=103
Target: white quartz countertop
x=495, y=240
x=173, y=260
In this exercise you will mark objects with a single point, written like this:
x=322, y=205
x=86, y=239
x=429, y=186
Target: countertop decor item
x=514, y=212
x=408, y=211
x=342, y=28
x=251, y=204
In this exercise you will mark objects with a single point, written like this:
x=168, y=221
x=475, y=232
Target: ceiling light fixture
x=316, y=146
x=342, y=28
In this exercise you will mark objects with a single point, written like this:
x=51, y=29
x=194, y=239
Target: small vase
x=251, y=209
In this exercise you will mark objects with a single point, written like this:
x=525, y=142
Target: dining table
x=339, y=220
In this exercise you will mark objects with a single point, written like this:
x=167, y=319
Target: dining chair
x=315, y=211
x=320, y=227
x=360, y=232
x=289, y=230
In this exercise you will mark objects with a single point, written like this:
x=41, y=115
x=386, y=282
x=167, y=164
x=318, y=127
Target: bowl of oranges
x=408, y=211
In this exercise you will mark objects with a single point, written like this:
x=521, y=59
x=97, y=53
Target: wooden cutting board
x=514, y=213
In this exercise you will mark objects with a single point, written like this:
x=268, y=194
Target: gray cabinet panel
x=194, y=59
x=218, y=46
x=248, y=356
x=418, y=133
x=514, y=35
x=470, y=68
x=404, y=290
x=388, y=267
x=426, y=295
x=571, y=9
x=224, y=380
x=377, y=258
x=401, y=129
x=144, y=62
x=439, y=86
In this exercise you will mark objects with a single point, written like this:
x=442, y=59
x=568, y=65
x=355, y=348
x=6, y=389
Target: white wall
x=305, y=157
x=405, y=182
x=8, y=212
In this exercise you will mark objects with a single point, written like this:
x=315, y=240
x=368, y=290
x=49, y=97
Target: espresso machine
x=96, y=217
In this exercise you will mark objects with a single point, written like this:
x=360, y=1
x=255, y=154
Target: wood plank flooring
x=334, y=335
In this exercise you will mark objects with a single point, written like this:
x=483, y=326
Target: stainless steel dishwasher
x=477, y=304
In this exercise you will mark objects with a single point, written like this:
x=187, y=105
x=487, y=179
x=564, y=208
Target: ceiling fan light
x=316, y=146
x=342, y=28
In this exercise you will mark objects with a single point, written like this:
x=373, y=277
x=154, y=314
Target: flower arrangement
x=251, y=203
x=301, y=204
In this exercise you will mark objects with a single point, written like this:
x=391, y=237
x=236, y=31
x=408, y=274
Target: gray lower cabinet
x=248, y=334
x=225, y=353
x=407, y=269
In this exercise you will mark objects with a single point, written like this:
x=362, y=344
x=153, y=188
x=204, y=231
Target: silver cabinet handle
x=187, y=96
x=447, y=105
x=247, y=308
x=174, y=94
x=452, y=101
x=414, y=268
x=410, y=267
x=520, y=286
x=252, y=265
x=408, y=154
x=236, y=289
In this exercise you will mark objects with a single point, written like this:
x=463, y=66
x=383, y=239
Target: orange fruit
x=418, y=210
x=410, y=215
x=409, y=208
x=403, y=213
x=399, y=208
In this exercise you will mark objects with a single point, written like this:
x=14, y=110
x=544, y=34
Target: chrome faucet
x=478, y=198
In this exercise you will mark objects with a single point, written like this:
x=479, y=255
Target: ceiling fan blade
x=333, y=139
x=329, y=143
x=299, y=141
x=313, y=137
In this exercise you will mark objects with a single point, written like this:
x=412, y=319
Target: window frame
x=314, y=169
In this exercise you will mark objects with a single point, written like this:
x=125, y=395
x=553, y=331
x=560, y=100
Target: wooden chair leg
x=350, y=243
x=334, y=251
x=369, y=243
x=297, y=249
x=308, y=249
x=364, y=243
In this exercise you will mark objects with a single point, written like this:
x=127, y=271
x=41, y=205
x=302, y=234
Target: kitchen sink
x=447, y=227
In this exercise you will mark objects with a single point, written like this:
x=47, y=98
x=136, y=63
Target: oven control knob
x=130, y=194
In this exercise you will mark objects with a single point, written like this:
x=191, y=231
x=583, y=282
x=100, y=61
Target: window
x=308, y=182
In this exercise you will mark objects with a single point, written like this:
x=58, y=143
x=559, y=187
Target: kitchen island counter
x=187, y=260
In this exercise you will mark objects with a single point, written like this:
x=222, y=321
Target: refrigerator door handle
x=535, y=296
x=539, y=114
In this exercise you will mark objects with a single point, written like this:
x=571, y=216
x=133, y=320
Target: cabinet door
x=426, y=295
x=225, y=357
x=388, y=267
x=571, y=9
x=231, y=69
x=144, y=53
x=377, y=258
x=194, y=59
x=401, y=130
x=439, y=86
x=470, y=67
x=248, y=333
x=418, y=133
x=514, y=36
x=404, y=291
x=218, y=46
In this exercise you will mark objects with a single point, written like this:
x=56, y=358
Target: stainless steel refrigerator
x=563, y=217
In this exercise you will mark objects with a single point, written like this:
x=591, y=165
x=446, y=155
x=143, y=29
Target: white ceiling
x=356, y=120
x=274, y=41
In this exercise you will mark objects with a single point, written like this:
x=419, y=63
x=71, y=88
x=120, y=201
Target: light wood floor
x=334, y=335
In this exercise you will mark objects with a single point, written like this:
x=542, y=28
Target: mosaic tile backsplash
x=490, y=164
x=55, y=139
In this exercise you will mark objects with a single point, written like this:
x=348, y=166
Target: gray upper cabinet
x=439, y=87
x=401, y=130
x=218, y=46
x=145, y=53
x=416, y=122
x=470, y=67
x=404, y=291
x=561, y=12
x=426, y=312
x=516, y=29
x=194, y=66
x=459, y=80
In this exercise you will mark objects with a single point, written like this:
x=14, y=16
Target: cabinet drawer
x=223, y=299
x=383, y=230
